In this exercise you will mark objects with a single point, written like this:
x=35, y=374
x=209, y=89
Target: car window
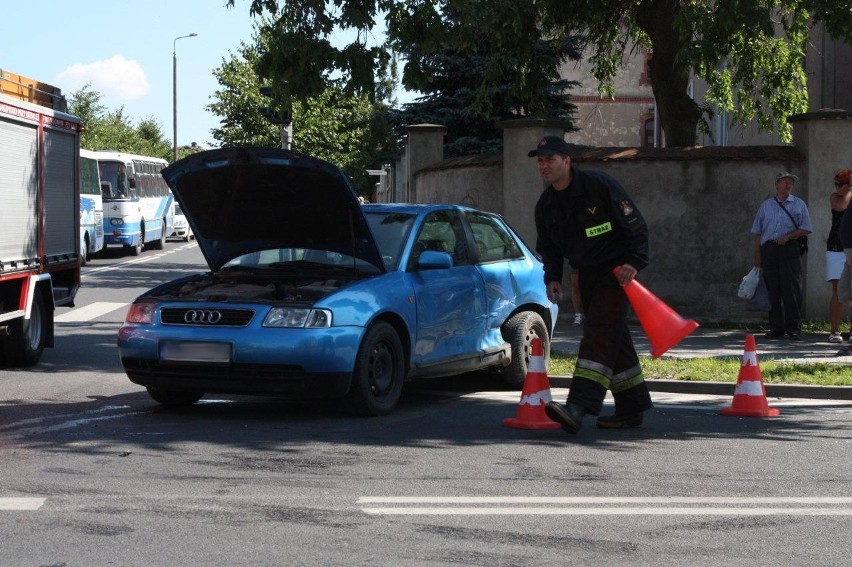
x=390, y=230
x=442, y=232
x=493, y=241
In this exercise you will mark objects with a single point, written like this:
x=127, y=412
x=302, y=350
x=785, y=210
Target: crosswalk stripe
x=605, y=506
x=21, y=503
x=88, y=312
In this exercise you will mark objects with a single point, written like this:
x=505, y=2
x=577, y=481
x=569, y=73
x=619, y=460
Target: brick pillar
x=425, y=147
x=823, y=137
x=522, y=184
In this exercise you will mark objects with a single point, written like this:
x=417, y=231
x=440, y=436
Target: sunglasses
x=838, y=184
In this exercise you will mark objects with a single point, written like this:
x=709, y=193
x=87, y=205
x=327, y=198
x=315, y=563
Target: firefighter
x=589, y=219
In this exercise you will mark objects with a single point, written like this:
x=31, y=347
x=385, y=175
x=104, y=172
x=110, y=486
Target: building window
x=645, y=77
x=648, y=121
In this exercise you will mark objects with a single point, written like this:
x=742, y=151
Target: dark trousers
x=607, y=359
x=782, y=273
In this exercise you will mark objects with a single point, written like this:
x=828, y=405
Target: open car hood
x=241, y=200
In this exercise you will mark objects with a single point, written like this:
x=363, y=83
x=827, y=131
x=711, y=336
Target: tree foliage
x=346, y=129
x=751, y=52
x=470, y=87
x=112, y=130
x=239, y=104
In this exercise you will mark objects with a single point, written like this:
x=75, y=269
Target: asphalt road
x=93, y=472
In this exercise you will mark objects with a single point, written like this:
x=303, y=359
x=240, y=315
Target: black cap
x=550, y=145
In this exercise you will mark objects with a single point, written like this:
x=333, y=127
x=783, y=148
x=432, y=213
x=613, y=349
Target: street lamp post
x=174, y=88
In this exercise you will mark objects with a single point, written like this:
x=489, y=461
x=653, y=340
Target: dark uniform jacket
x=593, y=222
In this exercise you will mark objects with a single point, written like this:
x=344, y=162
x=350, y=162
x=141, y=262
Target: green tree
x=239, y=104
x=469, y=88
x=751, y=52
x=346, y=129
x=112, y=130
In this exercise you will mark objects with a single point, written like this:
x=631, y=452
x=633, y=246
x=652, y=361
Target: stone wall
x=699, y=203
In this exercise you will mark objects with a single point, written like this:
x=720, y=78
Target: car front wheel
x=519, y=331
x=379, y=373
x=174, y=398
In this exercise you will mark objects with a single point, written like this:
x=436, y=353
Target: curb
x=727, y=389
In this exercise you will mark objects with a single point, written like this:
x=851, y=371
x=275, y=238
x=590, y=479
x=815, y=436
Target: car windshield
x=298, y=260
x=390, y=229
x=178, y=210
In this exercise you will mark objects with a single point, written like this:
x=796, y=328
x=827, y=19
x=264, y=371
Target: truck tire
x=25, y=342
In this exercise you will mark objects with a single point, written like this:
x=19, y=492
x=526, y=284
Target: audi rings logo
x=202, y=317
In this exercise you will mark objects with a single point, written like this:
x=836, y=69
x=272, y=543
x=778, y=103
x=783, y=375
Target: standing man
x=779, y=223
x=588, y=218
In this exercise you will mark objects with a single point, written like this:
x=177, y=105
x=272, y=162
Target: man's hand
x=554, y=292
x=626, y=273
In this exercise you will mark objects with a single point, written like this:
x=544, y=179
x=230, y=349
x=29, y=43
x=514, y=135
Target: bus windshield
x=114, y=182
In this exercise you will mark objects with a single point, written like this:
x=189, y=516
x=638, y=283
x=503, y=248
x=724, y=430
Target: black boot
x=620, y=421
x=569, y=416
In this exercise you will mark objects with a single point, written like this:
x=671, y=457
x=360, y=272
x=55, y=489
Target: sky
x=124, y=49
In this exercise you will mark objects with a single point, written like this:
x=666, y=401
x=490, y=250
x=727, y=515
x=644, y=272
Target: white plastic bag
x=749, y=284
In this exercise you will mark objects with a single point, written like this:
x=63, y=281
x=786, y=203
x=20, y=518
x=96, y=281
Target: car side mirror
x=432, y=260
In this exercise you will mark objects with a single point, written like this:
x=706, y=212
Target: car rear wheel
x=519, y=332
x=174, y=398
x=379, y=373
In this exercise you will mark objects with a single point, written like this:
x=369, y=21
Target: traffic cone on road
x=535, y=394
x=750, y=393
x=663, y=326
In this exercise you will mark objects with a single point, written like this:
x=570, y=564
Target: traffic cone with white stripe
x=750, y=393
x=535, y=394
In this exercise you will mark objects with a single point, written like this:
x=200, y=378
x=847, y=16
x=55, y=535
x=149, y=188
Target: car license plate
x=195, y=352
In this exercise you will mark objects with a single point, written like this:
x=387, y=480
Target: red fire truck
x=39, y=214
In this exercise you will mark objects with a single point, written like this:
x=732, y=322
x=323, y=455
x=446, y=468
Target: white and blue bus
x=91, y=207
x=137, y=201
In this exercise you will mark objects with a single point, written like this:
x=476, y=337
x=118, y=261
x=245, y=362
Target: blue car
x=310, y=293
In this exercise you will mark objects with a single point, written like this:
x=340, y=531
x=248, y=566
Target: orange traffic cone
x=664, y=327
x=535, y=394
x=750, y=393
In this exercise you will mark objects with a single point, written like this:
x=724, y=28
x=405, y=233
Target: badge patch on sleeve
x=626, y=208
x=598, y=230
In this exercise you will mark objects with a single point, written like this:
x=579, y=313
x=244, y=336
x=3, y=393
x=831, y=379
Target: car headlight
x=141, y=313
x=298, y=317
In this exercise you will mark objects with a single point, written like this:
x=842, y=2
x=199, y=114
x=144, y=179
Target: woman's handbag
x=749, y=284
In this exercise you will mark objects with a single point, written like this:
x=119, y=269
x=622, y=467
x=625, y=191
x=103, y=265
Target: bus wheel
x=160, y=244
x=84, y=253
x=140, y=244
x=25, y=343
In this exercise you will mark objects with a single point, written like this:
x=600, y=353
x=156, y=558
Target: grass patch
x=723, y=370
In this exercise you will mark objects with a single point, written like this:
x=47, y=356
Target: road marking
x=702, y=402
x=606, y=506
x=140, y=260
x=608, y=511
x=21, y=503
x=88, y=312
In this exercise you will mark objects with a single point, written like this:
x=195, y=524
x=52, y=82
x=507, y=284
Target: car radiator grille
x=206, y=317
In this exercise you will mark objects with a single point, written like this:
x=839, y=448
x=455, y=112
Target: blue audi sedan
x=311, y=294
